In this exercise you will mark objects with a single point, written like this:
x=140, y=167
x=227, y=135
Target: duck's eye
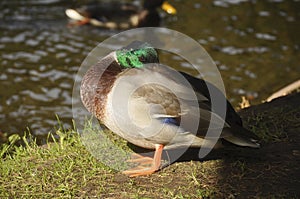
x=142, y=58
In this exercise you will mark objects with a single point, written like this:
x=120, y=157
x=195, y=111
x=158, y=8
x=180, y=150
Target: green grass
x=60, y=168
x=64, y=168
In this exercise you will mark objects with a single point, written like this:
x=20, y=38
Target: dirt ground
x=274, y=169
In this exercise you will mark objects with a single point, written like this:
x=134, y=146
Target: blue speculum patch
x=170, y=121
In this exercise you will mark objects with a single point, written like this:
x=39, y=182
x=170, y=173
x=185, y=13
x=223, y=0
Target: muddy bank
x=274, y=169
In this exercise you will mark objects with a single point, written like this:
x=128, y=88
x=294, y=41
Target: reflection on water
x=254, y=43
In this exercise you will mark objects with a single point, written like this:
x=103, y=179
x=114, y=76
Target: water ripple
x=231, y=50
x=30, y=57
x=265, y=36
x=226, y=3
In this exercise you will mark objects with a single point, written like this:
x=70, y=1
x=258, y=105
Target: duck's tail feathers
x=239, y=137
x=242, y=142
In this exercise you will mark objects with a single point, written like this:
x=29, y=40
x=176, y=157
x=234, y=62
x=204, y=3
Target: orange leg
x=141, y=170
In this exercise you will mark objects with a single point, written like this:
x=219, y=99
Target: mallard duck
x=116, y=15
x=145, y=103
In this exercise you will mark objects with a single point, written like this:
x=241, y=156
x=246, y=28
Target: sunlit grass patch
x=62, y=167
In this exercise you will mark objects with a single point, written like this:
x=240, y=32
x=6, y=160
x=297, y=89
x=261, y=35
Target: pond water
x=255, y=44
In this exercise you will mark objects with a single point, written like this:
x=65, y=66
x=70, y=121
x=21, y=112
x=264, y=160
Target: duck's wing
x=234, y=132
x=207, y=89
x=193, y=97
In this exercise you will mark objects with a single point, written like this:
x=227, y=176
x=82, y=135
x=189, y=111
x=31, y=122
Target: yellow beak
x=168, y=8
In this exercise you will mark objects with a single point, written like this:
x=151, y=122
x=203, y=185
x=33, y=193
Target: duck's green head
x=136, y=54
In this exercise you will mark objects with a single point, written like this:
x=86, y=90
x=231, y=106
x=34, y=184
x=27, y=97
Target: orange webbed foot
x=144, y=170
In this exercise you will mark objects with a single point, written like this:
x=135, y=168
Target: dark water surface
x=255, y=44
